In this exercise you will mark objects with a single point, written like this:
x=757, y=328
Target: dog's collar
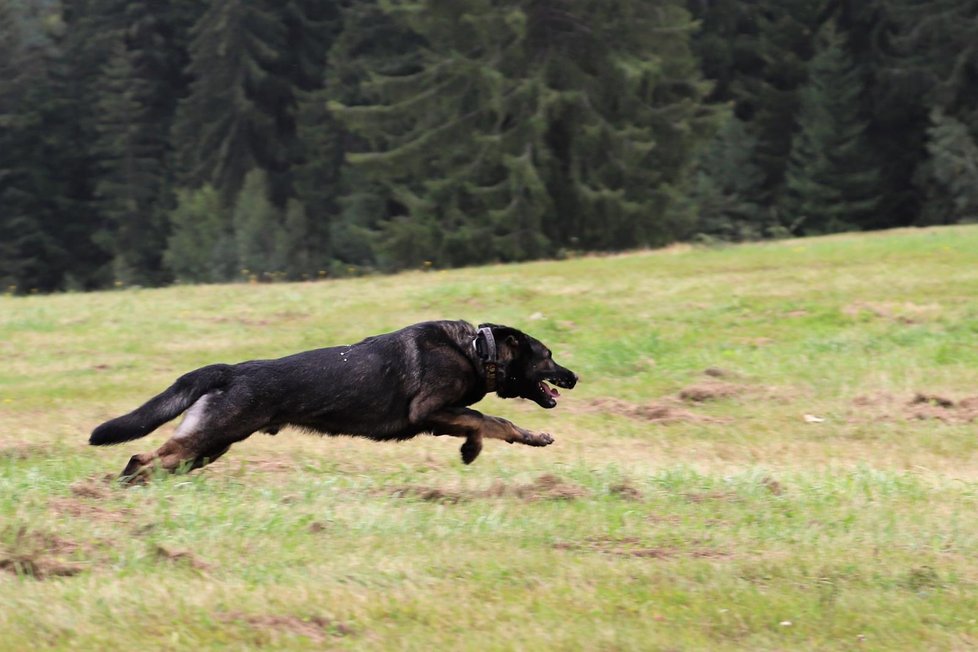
x=485, y=347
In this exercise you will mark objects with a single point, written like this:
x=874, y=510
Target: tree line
x=144, y=142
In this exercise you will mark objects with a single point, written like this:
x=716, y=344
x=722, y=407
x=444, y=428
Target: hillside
x=772, y=447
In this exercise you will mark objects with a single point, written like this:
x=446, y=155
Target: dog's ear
x=510, y=341
x=506, y=338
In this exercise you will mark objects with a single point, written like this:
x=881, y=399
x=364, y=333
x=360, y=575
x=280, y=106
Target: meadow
x=772, y=447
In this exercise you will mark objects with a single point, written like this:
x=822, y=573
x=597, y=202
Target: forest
x=147, y=142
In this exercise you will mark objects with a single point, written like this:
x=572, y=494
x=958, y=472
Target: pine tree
x=953, y=171
x=45, y=171
x=727, y=184
x=126, y=61
x=313, y=27
x=892, y=104
x=757, y=52
x=517, y=130
x=832, y=182
x=130, y=187
x=938, y=43
x=257, y=225
x=27, y=252
x=229, y=124
x=201, y=245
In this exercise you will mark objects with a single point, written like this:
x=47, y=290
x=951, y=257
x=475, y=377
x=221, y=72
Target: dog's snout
x=569, y=380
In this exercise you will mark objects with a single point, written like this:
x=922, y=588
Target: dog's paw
x=471, y=449
x=541, y=439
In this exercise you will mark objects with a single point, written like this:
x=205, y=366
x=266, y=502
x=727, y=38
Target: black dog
x=393, y=386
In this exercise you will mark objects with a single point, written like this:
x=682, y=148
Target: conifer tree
x=727, y=186
x=45, y=173
x=832, y=183
x=26, y=249
x=953, y=171
x=201, y=247
x=131, y=151
x=938, y=43
x=517, y=130
x=133, y=99
x=258, y=228
x=893, y=106
x=228, y=124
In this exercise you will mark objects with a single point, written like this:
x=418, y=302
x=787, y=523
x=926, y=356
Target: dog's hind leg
x=201, y=438
x=173, y=455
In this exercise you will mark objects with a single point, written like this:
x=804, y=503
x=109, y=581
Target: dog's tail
x=160, y=409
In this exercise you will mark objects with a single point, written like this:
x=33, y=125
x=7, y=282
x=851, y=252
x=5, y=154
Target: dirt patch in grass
x=635, y=547
x=720, y=372
x=82, y=509
x=773, y=486
x=711, y=391
x=902, y=313
x=922, y=406
x=706, y=496
x=20, y=450
x=39, y=555
x=271, y=466
x=94, y=487
x=625, y=490
x=431, y=494
x=676, y=409
x=40, y=568
x=316, y=628
x=665, y=411
x=181, y=557
x=545, y=487
x=933, y=406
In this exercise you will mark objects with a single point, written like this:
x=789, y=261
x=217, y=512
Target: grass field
x=773, y=447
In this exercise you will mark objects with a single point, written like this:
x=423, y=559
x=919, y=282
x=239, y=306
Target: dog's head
x=526, y=367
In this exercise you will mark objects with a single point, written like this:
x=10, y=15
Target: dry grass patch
x=635, y=547
x=76, y=508
x=39, y=555
x=665, y=411
x=21, y=450
x=545, y=487
x=906, y=312
x=173, y=555
x=922, y=406
x=316, y=628
x=625, y=490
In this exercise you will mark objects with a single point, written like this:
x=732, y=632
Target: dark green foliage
x=138, y=90
x=228, y=125
x=145, y=141
x=758, y=51
x=201, y=245
x=258, y=228
x=131, y=153
x=953, y=171
x=832, y=182
x=728, y=185
x=512, y=132
x=48, y=229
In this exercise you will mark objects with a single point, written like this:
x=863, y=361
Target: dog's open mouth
x=548, y=390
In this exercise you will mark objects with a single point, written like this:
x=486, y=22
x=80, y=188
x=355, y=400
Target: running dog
x=420, y=379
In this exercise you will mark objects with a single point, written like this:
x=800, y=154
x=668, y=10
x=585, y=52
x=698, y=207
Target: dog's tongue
x=550, y=390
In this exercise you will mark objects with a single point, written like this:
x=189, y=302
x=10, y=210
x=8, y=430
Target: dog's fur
x=419, y=379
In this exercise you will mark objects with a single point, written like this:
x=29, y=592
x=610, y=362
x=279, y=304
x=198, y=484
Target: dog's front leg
x=475, y=426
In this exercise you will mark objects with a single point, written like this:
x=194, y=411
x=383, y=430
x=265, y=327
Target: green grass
x=736, y=524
